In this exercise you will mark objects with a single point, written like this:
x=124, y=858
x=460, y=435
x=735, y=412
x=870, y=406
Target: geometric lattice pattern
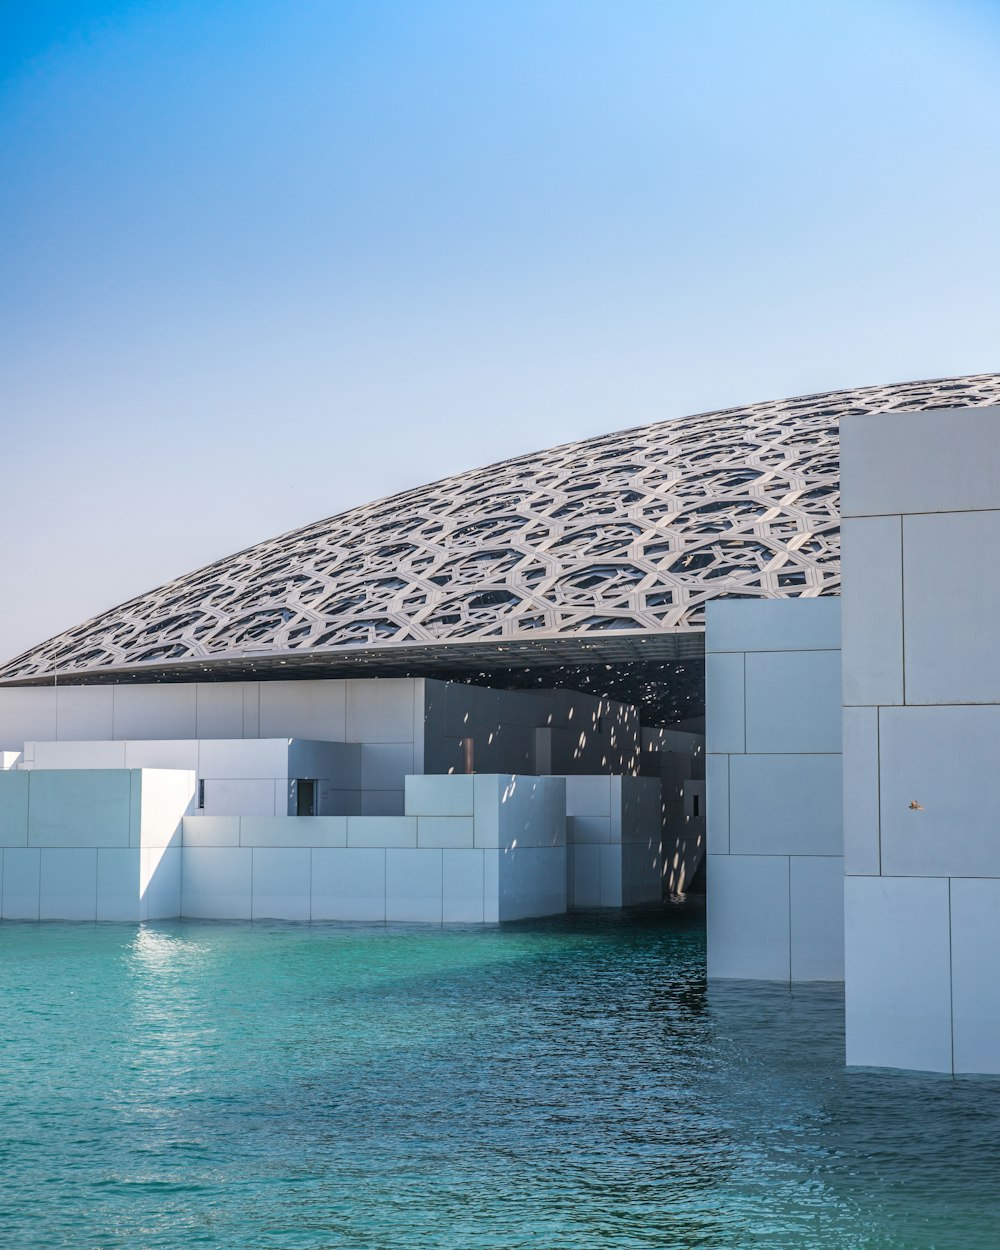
x=633, y=531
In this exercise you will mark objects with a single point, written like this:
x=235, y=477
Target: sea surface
x=569, y=1083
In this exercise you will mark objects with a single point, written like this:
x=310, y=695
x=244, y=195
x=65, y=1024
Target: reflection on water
x=571, y=1083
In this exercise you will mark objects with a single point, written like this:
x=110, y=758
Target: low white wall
x=613, y=841
x=92, y=844
x=774, y=800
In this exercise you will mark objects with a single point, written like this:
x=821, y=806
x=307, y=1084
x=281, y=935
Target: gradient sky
x=260, y=261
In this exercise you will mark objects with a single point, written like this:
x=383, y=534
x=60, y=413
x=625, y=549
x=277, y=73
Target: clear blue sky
x=264, y=260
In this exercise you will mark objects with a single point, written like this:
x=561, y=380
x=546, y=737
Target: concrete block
x=532, y=812
x=588, y=796
x=951, y=654
x=817, y=917
x=348, y=884
x=642, y=875
x=303, y=709
x=725, y=703
x=611, y=876
x=79, y=807
x=210, y=831
x=785, y=805
x=21, y=881
x=532, y=882
x=793, y=701
x=772, y=625
x=242, y=798
x=217, y=883
x=380, y=710
x=453, y=832
x=14, y=808
x=944, y=759
x=748, y=917
x=376, y=831
x=148, y=711
x=439, y=796
x=293, y=831
x=584, y=876
x=219, y=709
x=385, y=765
x=382, y=802
x=897, y=973
x=872, y=559
x=717, y=803
x=486, y=806
x=942, y=461
x=67, y=883
x=463, y=876
x=975, y=958
x=281, y=883
x=160, y=883
x=414, y=885
x=862, y=855
x=584, y=829
x=118, y=891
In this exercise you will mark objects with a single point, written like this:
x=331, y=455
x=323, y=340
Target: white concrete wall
x=613, y=841
x=92, y=844
x=385, y=716
x=469, y=849
x=678, y=759
x=253, y=777
x=774, y=790
x=921, y=573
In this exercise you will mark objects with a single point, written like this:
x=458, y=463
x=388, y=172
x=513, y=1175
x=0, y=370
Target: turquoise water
x=570, y=1083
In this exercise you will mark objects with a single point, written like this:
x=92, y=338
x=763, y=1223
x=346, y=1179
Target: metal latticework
x=627, y=535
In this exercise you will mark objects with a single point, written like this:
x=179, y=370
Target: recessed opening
x=305, y=798
x=696, y=805
x=201, y=794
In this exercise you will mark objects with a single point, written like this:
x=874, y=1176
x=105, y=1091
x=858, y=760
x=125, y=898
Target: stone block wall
x=774, y=802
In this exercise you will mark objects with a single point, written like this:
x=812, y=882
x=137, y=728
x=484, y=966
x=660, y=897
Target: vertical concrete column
x=775, y=849
x=921, y=587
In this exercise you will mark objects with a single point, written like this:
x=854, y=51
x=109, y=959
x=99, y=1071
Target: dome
x=604, y=550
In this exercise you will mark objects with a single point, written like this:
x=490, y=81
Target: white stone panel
x=873, y=610
x=440, y=796
x=768, y=625
x=161, y=883
x=944, y=759
x=382, y=802
x=21, y=870
x=532, y=812
x=80, y=807
x=147, y=711
x=861, y=791
x=293, y=831
x=85, y=712
x=975, y=958
x=588, y=796
x=584, y=863
x=785, y=805
x=211, y=831
x=748, y=917
x=166, y=797
x=303, y=709
x=68, y=883
x=897, y=973
x=241, y=798
x=216, y=883
x=951, y=651
x=611, y=876
x=932, y=461
x=219, y=709
x=725, y=724
x=77, y=754
x=26, y=713
x=717, y=803
x=395, y=831
x=118, y=893
x=234, y=760
x=463, y=877
x=532, y=881
x=414, y=885
x=817, y=917
x=793, y=701
x=379, y=710
x=14, y=808
x=348, y=884
x=385, y=765
x=584, y=829
x=178, y=754
x=453, y=832
x=281, y=883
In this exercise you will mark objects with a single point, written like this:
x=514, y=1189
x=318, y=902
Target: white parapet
x=92, y=844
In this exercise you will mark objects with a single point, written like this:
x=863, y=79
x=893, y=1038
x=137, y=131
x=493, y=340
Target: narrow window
x=305, y=798
x=696, y=805
x=201, y=794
